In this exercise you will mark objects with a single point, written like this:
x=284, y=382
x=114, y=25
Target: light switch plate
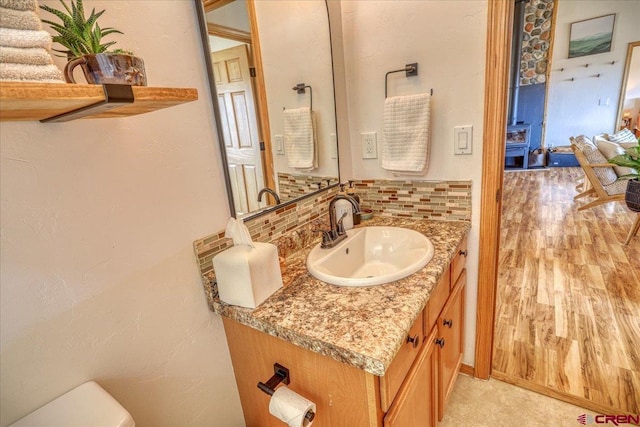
x=463, y=139
x=334, y=145
x=278, y=141
x=369, y=145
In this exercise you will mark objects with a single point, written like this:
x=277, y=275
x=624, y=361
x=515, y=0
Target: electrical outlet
x=369, y=145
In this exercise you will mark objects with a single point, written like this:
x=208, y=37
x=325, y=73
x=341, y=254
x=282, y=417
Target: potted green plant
x=630, y=159
x=82, y=38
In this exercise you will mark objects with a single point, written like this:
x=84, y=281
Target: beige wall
x=98, y=276
x=447, y=39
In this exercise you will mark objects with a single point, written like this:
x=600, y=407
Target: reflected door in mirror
x=240, y=128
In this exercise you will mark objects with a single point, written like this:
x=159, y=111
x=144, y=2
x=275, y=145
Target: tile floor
x=477, y=403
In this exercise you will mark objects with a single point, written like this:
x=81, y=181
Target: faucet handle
x=340, y=225
x=326, y=239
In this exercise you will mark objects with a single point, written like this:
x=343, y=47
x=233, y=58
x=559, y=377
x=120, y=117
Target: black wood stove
x=517, y=145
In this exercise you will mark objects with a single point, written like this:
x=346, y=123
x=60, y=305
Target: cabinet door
x=415, y=404
x=459, y=261
x=392, y=381
x=450, y=342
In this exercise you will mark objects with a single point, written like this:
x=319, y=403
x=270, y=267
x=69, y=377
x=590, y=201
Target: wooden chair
x=595, y=187
x=634, y=229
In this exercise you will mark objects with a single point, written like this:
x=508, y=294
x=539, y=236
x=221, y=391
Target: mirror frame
x=623, y=85
x=206, y=49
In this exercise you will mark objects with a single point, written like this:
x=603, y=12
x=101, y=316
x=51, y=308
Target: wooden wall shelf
x=41, y=101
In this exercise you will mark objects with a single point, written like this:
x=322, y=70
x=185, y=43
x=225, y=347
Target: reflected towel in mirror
x=300, y=138
x=405, y=133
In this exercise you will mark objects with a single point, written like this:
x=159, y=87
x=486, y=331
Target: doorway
x=498, y=56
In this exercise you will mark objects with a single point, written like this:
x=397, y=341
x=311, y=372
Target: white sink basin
x=371, y=256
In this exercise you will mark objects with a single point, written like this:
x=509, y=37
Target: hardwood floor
x=568, y=300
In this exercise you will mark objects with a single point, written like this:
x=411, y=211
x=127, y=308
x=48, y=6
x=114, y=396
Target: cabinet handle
x=463, y=253
x=439, y=342
x=415, y=340
x=448, y=322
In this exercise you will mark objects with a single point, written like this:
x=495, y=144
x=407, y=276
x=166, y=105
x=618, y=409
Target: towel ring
x=410, y=71
x=300, y=88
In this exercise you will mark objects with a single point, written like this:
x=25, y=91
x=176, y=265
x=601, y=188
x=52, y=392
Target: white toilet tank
x=86, y=405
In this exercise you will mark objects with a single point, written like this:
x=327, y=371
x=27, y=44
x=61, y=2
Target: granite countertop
x=361, y=326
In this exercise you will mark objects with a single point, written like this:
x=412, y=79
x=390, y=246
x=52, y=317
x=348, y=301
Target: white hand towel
x=405, y=133
x=315, y=144
x=299, y=140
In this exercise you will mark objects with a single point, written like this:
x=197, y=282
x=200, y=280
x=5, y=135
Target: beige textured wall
x=98, y=276
x=443, y=38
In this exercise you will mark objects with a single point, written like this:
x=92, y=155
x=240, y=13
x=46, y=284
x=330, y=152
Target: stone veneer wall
x=292, y=227
x=536, y=41
x=293, y=186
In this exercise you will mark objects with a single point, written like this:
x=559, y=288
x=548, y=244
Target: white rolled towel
x=19, y=4
x=24, y=38
x=19, y=19
x=27, y=55
x=32, y=73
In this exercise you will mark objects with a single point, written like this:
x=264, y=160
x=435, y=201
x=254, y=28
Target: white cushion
x=581, y=141
x=605, y=175
x=609, y=150
x=601, y=137
x=623, y=135
x=626, y=145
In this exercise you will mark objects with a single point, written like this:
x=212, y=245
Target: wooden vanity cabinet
x=459, y=261
x=344, y=395
x=397, y=372
x=450, y=342
x=413, y=392
x=415, y=405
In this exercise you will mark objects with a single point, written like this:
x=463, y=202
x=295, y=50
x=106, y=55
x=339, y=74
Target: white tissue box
x=247, y=276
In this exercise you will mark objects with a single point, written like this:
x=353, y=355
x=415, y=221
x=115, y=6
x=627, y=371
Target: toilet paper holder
x=280, y=375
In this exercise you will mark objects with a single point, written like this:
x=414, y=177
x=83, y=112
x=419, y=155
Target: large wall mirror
x=629, y=107
x=271, y=76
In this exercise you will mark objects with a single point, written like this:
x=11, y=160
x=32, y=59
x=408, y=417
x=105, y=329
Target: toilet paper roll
x=290, y=407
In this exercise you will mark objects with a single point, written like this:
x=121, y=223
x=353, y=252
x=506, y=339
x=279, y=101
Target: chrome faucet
x=336, y=234
x=270, y=191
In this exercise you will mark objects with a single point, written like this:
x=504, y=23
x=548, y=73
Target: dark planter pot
x=108, y=68
x=632, y=196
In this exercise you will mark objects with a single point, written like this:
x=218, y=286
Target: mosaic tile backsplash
x=293, y=186
x=446, y=200
x=293, y=226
